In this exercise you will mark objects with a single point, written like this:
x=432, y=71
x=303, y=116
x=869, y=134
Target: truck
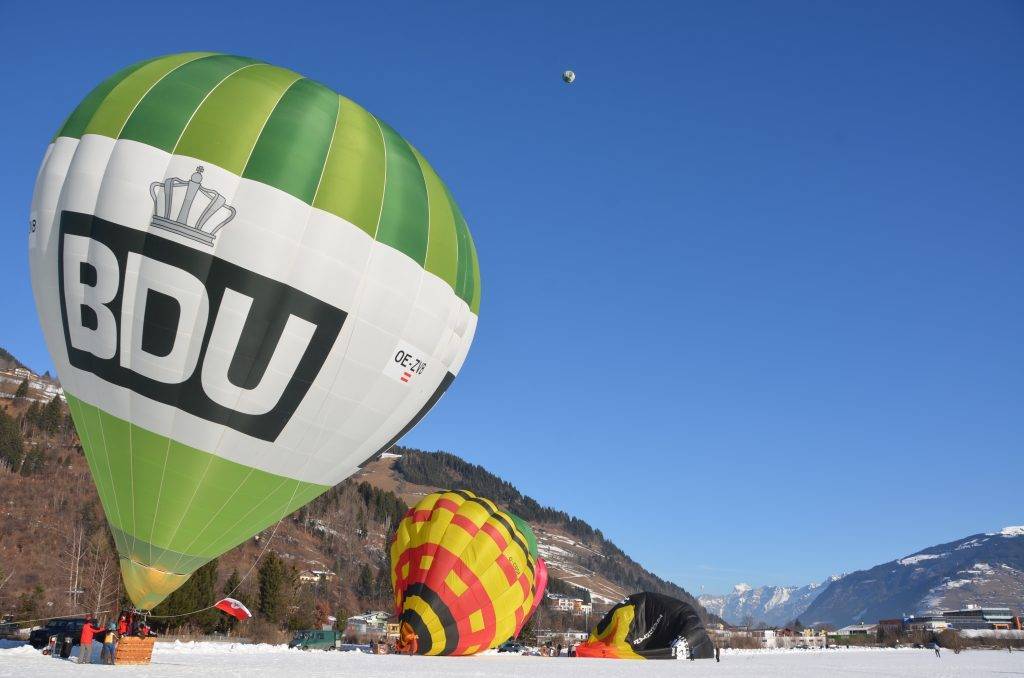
x=317, y=639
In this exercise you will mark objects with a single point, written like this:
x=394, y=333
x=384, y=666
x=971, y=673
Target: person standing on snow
x=109, y=644
x=89, y=629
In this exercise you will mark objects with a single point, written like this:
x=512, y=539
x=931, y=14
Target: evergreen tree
x=52, y=416
x=273, y=582
x=233, y=582
x=199, y=591
x=364, y=586
x=382, y=593
x=11, y=445
x=22, y=389
x=33, y=463
x=228, y=623
x=31, y=415
x=528, y=634
x=30, y=605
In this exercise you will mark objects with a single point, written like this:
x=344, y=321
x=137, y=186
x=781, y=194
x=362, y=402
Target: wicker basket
x=134, y=650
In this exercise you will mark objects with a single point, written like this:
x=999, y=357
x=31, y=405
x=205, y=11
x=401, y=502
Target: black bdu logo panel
x=263, y=330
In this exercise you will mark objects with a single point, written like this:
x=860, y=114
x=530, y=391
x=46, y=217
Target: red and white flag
x=234, y=608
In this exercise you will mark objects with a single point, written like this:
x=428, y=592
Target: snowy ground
x=219, y=660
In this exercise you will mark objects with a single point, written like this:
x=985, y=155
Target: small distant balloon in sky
x=568, y=77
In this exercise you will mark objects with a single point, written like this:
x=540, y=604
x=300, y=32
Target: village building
x=564, y=603
x=369, y=625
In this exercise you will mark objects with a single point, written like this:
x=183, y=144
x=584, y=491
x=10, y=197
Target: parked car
x=71, y=626
x=317, y=639
x=510, y=646
x=7, y=629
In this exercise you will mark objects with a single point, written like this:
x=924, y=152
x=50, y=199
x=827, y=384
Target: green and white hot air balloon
x=249, y=285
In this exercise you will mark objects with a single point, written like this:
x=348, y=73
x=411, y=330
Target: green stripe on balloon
x=474, y=302
x=76, y=123
x=160, y=117
x=293, y=146
x=404, y=218
x=226, y=126
x=442, y=250
x=352, y=185
x=464, y=275
x=186, y=505
x=109, y=119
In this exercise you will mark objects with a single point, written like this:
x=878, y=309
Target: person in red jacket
x=122, y=625
x=89, y=629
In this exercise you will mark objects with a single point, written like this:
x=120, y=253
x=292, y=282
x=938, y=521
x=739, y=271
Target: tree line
x=48, y=421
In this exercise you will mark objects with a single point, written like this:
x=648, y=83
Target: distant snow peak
x=1012, y=531
x=775, y=605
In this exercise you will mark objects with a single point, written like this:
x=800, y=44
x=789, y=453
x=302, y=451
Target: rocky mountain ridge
x=771, y=605
x=982, y=569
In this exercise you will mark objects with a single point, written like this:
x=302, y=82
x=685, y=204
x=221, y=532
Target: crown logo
x=195, y=212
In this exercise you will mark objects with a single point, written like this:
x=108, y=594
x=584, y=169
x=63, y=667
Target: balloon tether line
x=246, y=576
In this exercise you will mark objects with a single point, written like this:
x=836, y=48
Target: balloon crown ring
x=202, y=213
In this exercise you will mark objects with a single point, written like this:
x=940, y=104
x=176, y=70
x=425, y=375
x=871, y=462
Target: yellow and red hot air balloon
x=466, y=574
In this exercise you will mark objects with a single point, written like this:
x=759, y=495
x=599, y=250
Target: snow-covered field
x=220, y=660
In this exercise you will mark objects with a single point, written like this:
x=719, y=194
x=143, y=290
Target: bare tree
x=4, y=578
x=72, y=558
x=101, y=571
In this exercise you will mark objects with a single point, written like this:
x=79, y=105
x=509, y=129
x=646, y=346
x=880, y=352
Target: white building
x=563, y=638
x=857, y=630
x=368, y=623
x=39, y=389
x=934, y=623
x=563, y=603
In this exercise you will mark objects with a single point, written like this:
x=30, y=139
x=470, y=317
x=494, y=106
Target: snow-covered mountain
x=984, y=569
x=773, y=605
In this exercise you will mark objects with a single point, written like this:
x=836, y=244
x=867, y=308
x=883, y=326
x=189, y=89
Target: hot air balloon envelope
x=465, y=574
x=249, y=285
x=648, y=626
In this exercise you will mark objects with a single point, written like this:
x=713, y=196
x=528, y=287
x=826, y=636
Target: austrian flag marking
x=406, y=363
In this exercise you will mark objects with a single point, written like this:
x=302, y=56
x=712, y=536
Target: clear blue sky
x=752, y=286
